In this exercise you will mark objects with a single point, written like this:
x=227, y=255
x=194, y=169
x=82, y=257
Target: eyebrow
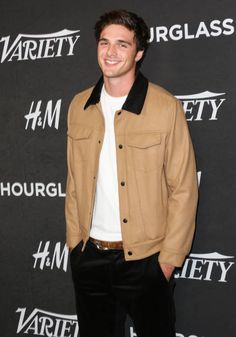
x=119, y=41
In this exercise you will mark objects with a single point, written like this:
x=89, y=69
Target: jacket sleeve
x=73, y=236
x=181, y=179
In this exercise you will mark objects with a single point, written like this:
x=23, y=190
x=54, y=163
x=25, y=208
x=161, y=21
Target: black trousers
x=107, y=288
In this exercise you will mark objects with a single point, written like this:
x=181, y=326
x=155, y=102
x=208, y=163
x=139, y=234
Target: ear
x=139, y=55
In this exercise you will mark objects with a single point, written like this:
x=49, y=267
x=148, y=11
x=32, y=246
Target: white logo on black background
x=39, y=46
x=203, y=106
x=206, y=267
x=48, y=324
x=42, y=115
x=33, y=189
x=185, y=31
x=48, y=257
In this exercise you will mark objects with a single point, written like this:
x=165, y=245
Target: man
x=131, y=190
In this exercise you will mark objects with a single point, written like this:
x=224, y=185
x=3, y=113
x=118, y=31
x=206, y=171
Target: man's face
x=117, y=52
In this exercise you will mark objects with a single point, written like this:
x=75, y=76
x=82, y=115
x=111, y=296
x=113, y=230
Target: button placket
x=123, y=187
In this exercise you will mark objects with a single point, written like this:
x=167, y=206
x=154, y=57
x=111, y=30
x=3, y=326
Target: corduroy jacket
x=157, y=178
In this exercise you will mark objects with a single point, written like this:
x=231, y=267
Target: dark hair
x=129, y=20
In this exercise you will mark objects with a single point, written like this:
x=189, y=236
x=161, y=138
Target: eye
x=103, y=43
x=123, y=45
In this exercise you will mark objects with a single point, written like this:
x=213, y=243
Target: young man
x=131, y=190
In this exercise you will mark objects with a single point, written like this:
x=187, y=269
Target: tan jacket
x=157, y=178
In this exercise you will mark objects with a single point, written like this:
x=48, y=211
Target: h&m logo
x=48, y=257
x=42, y=115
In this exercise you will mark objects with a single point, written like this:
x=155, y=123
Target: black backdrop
x=48, y=54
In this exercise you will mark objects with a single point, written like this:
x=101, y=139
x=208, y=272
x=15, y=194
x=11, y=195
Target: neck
x=118, y=87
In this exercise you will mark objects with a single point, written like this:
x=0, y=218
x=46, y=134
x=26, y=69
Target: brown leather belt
x=105, y=245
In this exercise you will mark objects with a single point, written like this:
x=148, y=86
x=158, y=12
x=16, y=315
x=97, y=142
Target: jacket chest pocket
x=144, y=151
x=81, y=141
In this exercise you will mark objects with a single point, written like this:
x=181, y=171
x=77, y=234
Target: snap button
x=125, y=220
x=120, y=146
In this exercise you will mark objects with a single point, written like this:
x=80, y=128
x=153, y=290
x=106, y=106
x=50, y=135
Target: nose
x=111, y=50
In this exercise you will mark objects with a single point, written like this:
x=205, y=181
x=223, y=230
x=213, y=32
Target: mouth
x=111, y=62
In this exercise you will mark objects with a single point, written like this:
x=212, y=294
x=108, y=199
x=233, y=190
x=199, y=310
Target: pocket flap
x=143, y=140
x=77, y=131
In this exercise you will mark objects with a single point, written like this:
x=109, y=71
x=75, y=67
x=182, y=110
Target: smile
x=112, y=62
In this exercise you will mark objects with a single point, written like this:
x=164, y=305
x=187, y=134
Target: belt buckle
x=101, y=247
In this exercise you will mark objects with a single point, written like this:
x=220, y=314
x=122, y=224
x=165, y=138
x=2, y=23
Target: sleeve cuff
x=171, y=258
x=72, y=240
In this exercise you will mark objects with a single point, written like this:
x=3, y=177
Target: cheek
x=100, y=52
x=127, y=57
x=100, y=57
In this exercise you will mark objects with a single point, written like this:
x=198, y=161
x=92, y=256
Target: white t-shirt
x=106, y=215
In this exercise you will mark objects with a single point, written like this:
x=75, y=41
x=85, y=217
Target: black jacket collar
x=135, y=99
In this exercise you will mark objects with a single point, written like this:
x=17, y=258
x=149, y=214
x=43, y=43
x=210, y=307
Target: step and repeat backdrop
x=47, y=55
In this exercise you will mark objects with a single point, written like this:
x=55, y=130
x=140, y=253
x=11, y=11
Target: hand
x=167, y=270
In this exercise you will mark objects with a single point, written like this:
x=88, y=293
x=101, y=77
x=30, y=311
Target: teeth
x=111, y=62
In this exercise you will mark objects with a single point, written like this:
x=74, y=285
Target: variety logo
x=214, y=28
x=203, y=106
x=48, y=324
x=36, y=189
x=34, y=47
x=206, y=267
x=43, y=115
x=48, y=257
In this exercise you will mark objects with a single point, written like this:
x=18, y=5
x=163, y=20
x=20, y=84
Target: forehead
x=117, y=32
